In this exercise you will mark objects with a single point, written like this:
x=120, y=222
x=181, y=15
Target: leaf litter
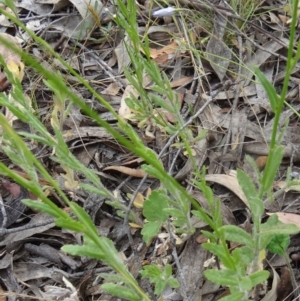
x=238, y=122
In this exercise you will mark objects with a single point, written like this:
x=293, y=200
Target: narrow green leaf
x=236, y=234
x=256, y=204
x=152, y=171
x=272, y=95
x=69, y=223
x=111, y=277
x=83, y=217
x=158, y=100
x=284, y=229
x=233, y=297
x=271, y=169
x=211, y=236
x=219, y=251
x=175, y=212
x=243, y=255
x=204, y=217
x=222, y=277
x=84, y=250
x=259, y=277
x=91, y=188
x=37, y=138
x=120, y=291
x=245, y=283
x=40, y=206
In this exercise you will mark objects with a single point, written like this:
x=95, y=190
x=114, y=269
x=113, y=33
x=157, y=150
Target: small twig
x=183, y=287
x=3, y=211
x=291, y=204
x=25, y=227
x=104, y=66
x=293, y=279
x=174, y=160
x=48, y=16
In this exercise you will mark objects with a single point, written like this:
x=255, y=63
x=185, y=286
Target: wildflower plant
x=242, y=269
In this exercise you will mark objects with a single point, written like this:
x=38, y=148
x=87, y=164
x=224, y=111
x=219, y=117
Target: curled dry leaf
x=138, y=173
x=139, y=201
x=272, y=293
x=161, y=56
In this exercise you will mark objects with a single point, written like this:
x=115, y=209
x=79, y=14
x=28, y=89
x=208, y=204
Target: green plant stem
x=256, y=235
x=92, y=234
x=294, y=282
x=289, y=68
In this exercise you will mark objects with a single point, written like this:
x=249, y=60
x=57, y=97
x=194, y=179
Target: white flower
x=164, y=12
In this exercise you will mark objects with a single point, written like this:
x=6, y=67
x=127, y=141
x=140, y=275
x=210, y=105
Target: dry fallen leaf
x=164, y=51
x=124, y=110
x=138, y=173
x=8, y=54
x=139, y=201
x=70, y=182
x=272, y=294
x=229, y=181
x=112, y=89
x=181, y=82
x=283, y=184
x=135, y=226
